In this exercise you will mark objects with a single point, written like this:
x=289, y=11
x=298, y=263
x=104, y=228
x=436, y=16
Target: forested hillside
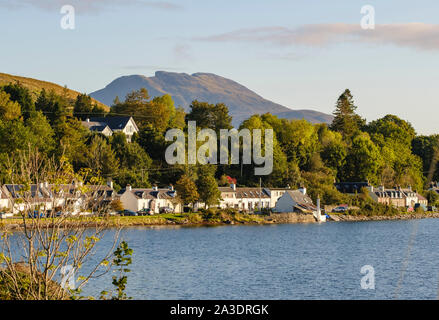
x=384, y=151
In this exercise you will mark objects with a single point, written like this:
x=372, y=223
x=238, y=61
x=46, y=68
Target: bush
x=377, y=209
x=194, y=218
x=419, y=210
x=210, y=214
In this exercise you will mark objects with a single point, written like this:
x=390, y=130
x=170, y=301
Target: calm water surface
x=299, y=261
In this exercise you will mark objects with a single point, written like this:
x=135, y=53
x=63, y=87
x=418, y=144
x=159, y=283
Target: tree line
x=386, y=151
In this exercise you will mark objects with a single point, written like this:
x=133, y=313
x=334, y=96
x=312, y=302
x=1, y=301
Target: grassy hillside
x=35, y=86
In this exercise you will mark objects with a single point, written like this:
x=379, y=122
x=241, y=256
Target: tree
x=53, y=245
x=177, y=119
x=346, y=121
x=41, y=133
x=122, y=259
x=333, y=149
x=101, y=158
x=22, y=96
x=133, y=159
x=71, y=136
x=85, y=108
x=211, y=116
x=363, y=160
x=160, y=111
x=116, y=205
x=394, y=137
x=187, y=190
x=9, y=110
x=154, y=113
x=14, y=136
x=432, y=197
x=427, y=148
x=207, y=185
x=55, y=107
x=391, y=129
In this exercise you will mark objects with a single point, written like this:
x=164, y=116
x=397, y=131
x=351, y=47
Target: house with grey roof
x=43, y=196
x=351, y=187
x=155, y=199
x=397, y=196
x=295, y=201
x=250, y=199
x=100, y=127
x=108, y=125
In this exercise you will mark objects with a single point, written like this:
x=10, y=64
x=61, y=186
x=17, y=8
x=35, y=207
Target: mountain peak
x=209, y=87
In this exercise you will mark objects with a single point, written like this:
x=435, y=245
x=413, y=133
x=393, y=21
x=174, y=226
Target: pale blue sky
x=280, y=49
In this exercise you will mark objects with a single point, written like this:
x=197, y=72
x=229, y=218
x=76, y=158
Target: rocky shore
x=407, y=216
x=196, y=221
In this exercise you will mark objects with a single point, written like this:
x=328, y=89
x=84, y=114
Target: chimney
x=171, y=187
x=110, y=182
x=303, y=190
x=128, y=187
x=233, y=186
x=88, y=120
x=155, y=188
x=382, y=188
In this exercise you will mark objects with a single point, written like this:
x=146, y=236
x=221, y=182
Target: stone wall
x=291, y=217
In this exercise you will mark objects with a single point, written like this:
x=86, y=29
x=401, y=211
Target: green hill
x=35, y=86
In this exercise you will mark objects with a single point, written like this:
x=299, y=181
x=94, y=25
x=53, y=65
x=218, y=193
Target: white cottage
x=244, y=199
x=295, y=201
x=109, y=125
x=136, y=199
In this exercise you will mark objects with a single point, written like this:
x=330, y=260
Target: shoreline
x=188, y=221
x=408, y=216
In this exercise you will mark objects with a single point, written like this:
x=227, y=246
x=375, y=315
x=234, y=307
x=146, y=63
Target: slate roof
x=350, y=187
x=301, y=199
x=115, y=123
x=246, y=193
x=150, y=193
x=36, y=192
x=390, y=193
x=95, y=125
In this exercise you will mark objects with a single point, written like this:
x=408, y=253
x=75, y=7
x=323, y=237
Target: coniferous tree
x=22, y=96
x=346, y=121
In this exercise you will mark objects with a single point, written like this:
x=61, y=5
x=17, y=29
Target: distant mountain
x=185, y=88
x=35, y=86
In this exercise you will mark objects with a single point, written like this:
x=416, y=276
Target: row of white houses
x=242, y=199
x=76, y=198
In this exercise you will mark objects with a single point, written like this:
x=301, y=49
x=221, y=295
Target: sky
x=301, y=54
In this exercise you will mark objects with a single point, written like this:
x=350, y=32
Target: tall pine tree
x=346, y=121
